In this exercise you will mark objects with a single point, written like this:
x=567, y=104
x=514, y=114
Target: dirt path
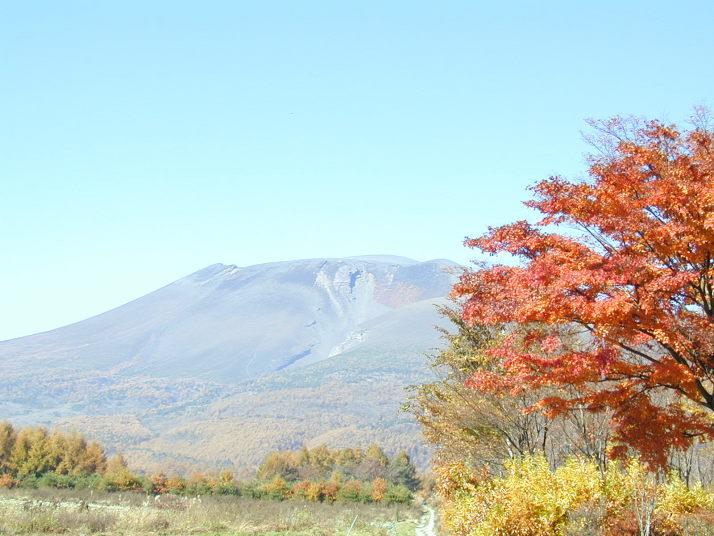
x=427, y=526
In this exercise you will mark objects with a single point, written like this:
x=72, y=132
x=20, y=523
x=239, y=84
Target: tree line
x=34, y=457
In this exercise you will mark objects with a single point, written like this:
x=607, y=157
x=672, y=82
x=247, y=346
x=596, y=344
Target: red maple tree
x=637, y=280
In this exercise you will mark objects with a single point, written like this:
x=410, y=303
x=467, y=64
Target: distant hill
x=227, y=363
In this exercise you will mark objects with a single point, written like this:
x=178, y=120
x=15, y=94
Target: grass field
x=31, y=512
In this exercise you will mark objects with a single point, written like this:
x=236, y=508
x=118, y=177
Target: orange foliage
x=379, y=489
x=329, y=491
x=158, y=483
x=175, y=484
x=639, y=282
x=300, y=489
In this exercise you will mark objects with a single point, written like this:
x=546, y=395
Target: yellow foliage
x=175, y=484
x=277, y=488
x=531, y=499
x=313, y=492
x=118, y=477
x=675, y=499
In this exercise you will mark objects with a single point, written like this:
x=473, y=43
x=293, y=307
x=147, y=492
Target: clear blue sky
x=141, y=141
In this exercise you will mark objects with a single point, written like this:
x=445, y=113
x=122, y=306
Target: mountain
x=227, y=363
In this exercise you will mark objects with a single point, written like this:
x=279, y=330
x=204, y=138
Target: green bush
x=30, y=481
x=87, y=481
x=350, y=491
x=226, y=488
x=53, y=480
x=253, y=489
x=398, y=495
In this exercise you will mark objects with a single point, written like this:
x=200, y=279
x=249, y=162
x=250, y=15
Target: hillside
x=228, y=363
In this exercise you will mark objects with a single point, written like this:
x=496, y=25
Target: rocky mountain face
x=227, y=363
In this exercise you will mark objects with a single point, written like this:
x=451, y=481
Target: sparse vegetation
x=45, y=511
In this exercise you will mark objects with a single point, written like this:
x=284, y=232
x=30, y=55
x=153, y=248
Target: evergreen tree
x=402, y=471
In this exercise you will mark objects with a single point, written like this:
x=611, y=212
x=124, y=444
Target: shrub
x=253, y=489
x=676, y=498
x=87, y=481
x=199, y=484
x=398, y=495
x=225, y=484
x=314, y=492
x=53, y=480
x=351, y=491
x=226, y=488
x=299, y=489
x=157, y=484
x=330, y=491
x=675, y=501
x=175, y=485
x=6, y=481
x=379, y=489
x=530, y=500
x=30, y=481
x=277, y=489
x=122, y=480
x=366, y=496
x=533, y=500
x=118, y=477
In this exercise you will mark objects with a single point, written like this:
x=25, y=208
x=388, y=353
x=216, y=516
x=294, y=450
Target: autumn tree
x=351, y=491
x=92, y=461
x=30, y=453
x=321, y=460
x=374, y=464
x=626, y=258
x=379, y=489
x=7, y=440
x=486, y=428
x=118, y=477
x=468, y=424
x=283, y=464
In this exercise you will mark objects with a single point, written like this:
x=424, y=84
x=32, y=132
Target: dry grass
x=83, y=513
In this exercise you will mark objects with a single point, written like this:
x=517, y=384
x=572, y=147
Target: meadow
x=81, y=512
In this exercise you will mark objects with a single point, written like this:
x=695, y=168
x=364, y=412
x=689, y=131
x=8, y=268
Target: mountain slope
x=352, y=398
x=228, y=363
x=228, y=324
